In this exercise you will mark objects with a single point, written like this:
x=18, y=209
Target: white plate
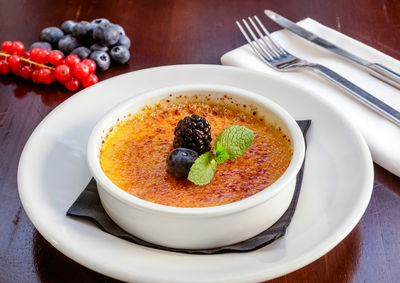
x=336, y=189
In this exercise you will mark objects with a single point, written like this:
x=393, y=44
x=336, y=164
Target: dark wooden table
x=183, y=32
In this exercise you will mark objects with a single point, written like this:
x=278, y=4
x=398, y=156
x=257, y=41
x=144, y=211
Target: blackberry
x=193, y=132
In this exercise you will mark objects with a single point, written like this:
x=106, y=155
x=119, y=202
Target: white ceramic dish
x=205, y=227
x=337, y=183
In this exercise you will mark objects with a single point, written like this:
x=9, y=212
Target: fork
x=275, y=56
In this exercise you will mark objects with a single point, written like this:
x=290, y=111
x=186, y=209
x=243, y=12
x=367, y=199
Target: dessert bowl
x=197, y=227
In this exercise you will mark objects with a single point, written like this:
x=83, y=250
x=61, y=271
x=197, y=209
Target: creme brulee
x=134, y=155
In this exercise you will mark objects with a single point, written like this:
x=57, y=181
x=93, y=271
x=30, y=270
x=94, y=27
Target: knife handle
x=358, y=93
x=384, y=74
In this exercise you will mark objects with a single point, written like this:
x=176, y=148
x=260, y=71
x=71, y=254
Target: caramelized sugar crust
x=134, y=155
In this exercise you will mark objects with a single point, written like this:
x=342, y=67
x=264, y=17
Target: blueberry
x=99, y=47
x=82, y=31
x=119, y=54
x=120, y=29
x=67, y=26
x=97, y=22
x=82, y=51
x=41, y=44
x=106, y=34
x=68, y=43
x=102, y=60
x=124, y=41
x=51, y=35
x=180, y=160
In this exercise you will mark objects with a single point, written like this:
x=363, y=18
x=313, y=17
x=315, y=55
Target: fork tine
x=255, y=49
x=256, y=40
x=262, y=37
x=276, y=45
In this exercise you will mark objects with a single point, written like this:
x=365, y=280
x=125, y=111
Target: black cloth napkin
x=88, y=206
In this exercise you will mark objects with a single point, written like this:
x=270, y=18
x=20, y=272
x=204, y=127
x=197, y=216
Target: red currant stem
x=29, y=61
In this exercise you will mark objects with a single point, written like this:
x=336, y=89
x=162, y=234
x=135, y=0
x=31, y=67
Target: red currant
x=90, y=80
x=35, y=76
x=56, y=58
x=72, y=84
x=81, y=71
x=34, y=53
x=46, y=76
x=62, y=72
x=4, y=67
x=26, y=72
x=72, y=60
x=6, y=46
x=42, y=75
x=18, y=47
x=43, y=56
x=51, y=78
x=91, y=64
x=43, y=72
x=27, y=54
x=69, y=71
x=15, y=63
x=36, y=67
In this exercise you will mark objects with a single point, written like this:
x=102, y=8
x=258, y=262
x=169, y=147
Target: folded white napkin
x=382, y=136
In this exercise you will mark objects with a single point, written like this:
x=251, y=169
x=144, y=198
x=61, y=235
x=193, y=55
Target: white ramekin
x=205, y=227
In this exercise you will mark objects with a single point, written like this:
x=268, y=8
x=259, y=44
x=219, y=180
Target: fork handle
x=358, y=93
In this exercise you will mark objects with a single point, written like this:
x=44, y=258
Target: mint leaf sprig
x=230, y=144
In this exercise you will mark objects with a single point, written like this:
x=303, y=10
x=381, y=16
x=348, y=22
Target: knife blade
x=375, y=69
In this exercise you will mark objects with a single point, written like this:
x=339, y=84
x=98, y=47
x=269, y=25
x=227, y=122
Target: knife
x=375, y=69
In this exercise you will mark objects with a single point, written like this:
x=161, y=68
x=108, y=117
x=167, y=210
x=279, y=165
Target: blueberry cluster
x=99, y=40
